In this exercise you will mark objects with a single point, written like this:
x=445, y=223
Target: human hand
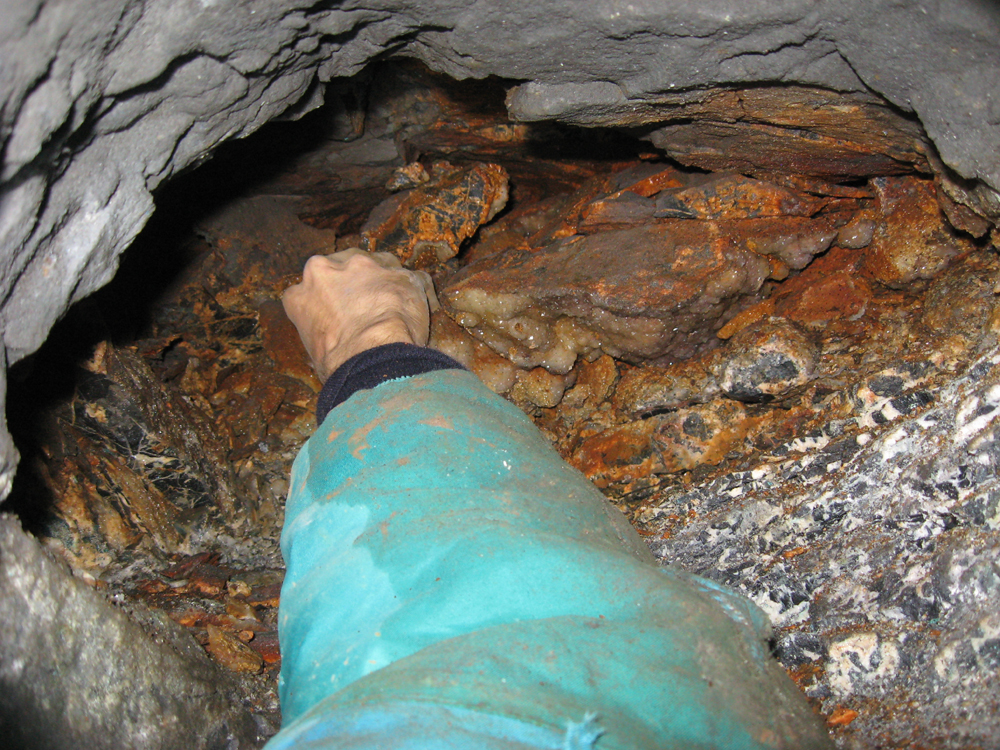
x=351, y=301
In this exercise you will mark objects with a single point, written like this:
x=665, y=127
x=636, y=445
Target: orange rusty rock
x=266, y=644
x=735, y=196
x=409, y=176
x=623, y=459
x=805, y=675
x=428, y=225
x=231, y=652
x=560, y=217
x=841, y=717
x=150, y=586
x=594, y=383
x=621, y=210
x=647, y=187
x=699, y=435
x=784, y=129
x=265, y=596
x=232, y=624
x=208, y=579
x=779, y=269
x=620, y=456
x=912, y=241
x=189, y=618
x=628, y=203
x=829, y=289
x=650, y=292
x=282, y=343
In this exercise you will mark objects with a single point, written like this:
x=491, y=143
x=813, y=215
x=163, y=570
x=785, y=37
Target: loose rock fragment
x=634, y=286
x=231, y=652
x=594, y=384
x=652, y=292
x=427, y=225
x=410, y=176
x=540, y=387
x=266, y=644
x=912, y=241
x=767, y=361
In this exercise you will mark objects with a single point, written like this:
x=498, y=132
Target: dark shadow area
x=124, y=310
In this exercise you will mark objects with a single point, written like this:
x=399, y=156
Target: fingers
x=353, y=300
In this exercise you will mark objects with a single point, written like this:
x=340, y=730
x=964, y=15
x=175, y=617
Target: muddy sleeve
x=451, y=583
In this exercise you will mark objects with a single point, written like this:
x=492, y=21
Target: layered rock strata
x=104, y=103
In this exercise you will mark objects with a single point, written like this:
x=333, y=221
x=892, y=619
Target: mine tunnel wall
x=104, y=103
x=108, y=104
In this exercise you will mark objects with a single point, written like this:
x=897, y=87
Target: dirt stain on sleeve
x=439, y=421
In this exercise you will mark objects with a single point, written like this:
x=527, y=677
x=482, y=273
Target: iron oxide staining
x=753, y=365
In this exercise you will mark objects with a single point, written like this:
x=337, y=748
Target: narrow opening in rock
x=706, y=318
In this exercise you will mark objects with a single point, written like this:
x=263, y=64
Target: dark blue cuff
x=375, y=366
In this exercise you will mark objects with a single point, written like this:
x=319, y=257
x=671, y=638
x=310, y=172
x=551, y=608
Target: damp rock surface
x=166, y=460
x=105, y=103
x=76, y=671
x=647, y=266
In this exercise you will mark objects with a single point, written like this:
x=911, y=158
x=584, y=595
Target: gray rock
x=77, y=672
x=102, y=103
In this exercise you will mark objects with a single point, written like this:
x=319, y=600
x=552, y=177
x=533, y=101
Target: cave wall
x=103, y=101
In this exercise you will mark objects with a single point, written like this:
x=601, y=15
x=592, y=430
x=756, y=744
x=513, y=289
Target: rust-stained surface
x=666, y=328
x=912, y=240
x=427, y=225
x=648, y=264
x=789, y=130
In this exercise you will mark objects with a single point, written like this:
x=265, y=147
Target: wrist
x=392, y=331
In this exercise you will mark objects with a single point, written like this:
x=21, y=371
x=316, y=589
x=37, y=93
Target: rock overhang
x=103, y=104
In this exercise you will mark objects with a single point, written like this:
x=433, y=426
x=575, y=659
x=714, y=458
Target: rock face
x=871, y=542
x=648, y=265
x=822, y=317
x=77, y=672
x=102, y=103
x=873, y=555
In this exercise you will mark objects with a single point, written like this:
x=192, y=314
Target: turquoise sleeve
x=449, y=576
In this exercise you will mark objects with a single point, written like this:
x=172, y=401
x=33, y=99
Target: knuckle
x=316, y=264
